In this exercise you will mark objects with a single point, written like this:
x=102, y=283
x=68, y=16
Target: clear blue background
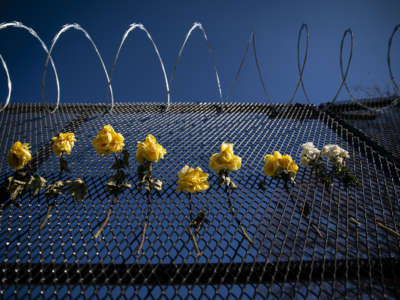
x=228, y=24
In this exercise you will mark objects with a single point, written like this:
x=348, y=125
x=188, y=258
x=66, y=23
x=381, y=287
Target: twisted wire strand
x=389, y=62
x=16, y=24
x=194, y=26
x=260, y=77
x=55, y=39
x=132, y=27
x=9, y=84
x=344, y=74
x=300, y=68
x=344, y=71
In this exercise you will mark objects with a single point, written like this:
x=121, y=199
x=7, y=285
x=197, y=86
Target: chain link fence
x=310, y=241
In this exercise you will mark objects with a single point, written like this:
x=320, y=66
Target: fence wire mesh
x=337, y=250
x=380, y=124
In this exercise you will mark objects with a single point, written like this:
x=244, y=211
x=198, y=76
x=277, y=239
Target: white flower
x=335, y=153
x=309, y=153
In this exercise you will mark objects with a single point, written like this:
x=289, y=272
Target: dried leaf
x=157, y=184
x=198, y=222
x=16, y=187
x=125, y=158
x=64, y=165
x=119, y=177
x=15, y=191
x=116, y=189
x=38, y=183
x=121, y=163
x=55, y=189
x=77, y=188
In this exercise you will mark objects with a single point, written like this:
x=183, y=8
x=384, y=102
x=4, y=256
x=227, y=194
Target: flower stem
x=104, y=223
x=50, y=206
x=48, y=215
x=198, y=252
x=235, y=217
x=148, y=203
x=196, y=246
x=388, y=229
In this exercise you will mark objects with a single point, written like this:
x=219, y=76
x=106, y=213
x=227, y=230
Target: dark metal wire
x=389, y=62
x=289, y=258
x=344, y=74
x=301, y=67
x=260, y=77
x=200, y=26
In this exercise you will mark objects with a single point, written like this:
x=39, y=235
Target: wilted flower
x=192, y=180
x=149, y=150
x=276, y=162
x=309, y=153
x=271, y=163
x=335, y=153
x=225, y=160
x=108, y=141
x=63, y=144
x=19, y=155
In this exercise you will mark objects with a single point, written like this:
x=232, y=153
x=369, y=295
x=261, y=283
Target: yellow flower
x=271, y=163
x=63, y=143
x=19, y=155
x=225, y=160
x=275, y=161
x=149, y=150
x=108, y=141
x=288, y=163
x=192, y=180
x=293, y=168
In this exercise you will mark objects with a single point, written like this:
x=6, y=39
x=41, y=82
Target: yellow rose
x=108, y=141
x=225, y=160
x=192, y=180
x=63, y=143
x=287, y=163
x=19, y=155
x=293, y=168
x=149, y=150
x=271, y=163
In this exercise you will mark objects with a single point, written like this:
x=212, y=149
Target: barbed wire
x=344, y=72
x=16, y=24
x=131, y=28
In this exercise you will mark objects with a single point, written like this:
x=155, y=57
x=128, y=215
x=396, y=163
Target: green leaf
x=77, y=188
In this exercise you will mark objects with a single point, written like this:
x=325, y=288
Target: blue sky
x=228, y=24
